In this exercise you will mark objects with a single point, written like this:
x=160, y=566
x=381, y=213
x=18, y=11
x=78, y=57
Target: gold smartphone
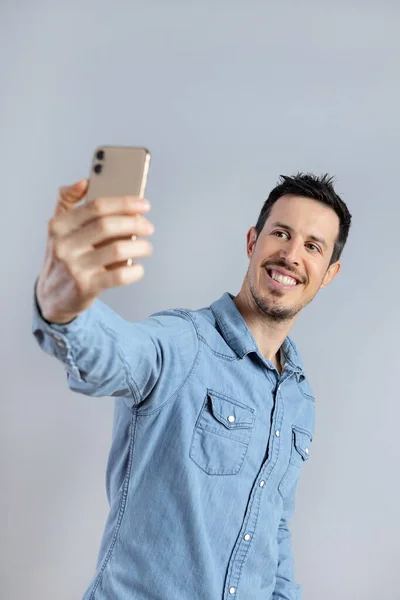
x=118, y=171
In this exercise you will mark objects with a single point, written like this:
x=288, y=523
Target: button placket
x=251, y=519
x=243, y=546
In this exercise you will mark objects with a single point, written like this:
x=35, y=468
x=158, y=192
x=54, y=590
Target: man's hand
x=90, y=248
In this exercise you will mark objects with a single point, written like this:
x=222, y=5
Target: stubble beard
x=271, y=308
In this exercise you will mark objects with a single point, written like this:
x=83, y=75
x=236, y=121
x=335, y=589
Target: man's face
x=289, y=262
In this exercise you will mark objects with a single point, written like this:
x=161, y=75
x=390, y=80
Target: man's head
x=295, y=247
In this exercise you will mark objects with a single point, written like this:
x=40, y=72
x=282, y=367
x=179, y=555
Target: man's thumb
x=70, y=195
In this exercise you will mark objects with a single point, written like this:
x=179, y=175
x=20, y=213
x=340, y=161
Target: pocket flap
x=302, y=442
x=229, y=412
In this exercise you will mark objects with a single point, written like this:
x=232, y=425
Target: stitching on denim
x=219, y=354
x=121, y=511
x=237, y=424
x=304, y=458
x=193, y=454
x=233, y=426
x=220, y=472
x=231, y=400
x=70, y=356
x=307, y=396
x=229, y=337
x=297, y=366
x=302, y=430
x=228, y=436
x=220, y=323
x=228, y=399
x=247, y=548
x=250, y=506
x=239, y=541
x=185, y=379
x=131, y=383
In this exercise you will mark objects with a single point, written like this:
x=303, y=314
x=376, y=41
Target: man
x=214, y=416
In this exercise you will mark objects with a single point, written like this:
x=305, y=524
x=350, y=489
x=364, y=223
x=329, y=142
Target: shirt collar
x=238, y=336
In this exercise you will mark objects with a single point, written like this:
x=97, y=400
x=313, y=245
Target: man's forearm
x=89, y=353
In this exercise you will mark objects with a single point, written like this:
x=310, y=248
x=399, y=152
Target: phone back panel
x=118, y=171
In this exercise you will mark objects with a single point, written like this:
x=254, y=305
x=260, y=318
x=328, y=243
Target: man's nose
x=291, y=252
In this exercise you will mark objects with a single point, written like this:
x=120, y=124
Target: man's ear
x=331, y=273
x=251, y=241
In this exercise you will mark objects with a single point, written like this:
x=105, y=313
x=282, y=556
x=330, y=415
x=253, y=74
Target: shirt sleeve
x=285, y=587
x=105, y=355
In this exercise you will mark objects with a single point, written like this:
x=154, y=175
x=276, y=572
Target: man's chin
x=273, y=309
x=279, y=314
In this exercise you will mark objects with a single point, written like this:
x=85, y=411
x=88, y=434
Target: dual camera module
x=98, y=167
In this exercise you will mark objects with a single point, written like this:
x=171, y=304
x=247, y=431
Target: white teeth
x=284, y=279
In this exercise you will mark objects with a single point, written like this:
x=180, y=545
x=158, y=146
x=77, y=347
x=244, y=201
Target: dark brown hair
x=316, y=188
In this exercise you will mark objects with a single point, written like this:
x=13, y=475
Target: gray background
x=227, y=95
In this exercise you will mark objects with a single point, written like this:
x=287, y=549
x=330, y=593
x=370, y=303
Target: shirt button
x=231, y=419
x=262, y=483
x=307, y=451
x=277, y=433
x=247, y=537
x=232, y=590
x=61, y=344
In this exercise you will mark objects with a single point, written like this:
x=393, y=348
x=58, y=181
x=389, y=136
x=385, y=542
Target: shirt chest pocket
x=299, y=454
x=221, y=435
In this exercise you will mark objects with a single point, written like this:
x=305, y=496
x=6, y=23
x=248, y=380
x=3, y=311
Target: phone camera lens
x=98, y=168
x=100, y=155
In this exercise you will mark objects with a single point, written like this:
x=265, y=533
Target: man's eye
x=313, y=247
x=280, y=233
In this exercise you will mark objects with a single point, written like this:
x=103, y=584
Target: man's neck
x=269, y=335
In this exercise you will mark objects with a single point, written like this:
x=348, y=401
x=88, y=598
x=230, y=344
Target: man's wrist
x=48, y=318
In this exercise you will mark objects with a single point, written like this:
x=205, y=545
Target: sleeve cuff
x=56, y=340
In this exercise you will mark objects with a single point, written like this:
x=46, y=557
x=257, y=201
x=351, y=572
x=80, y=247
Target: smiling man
x=214, y=415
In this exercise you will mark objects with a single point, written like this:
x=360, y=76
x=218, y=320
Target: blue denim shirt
x=208, y=443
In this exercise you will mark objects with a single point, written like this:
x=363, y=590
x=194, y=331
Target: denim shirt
x=208, y=443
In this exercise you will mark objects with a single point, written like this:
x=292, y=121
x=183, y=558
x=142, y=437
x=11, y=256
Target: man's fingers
x=98, y=233
x=70, y=195
x=101, y=207
x=119, y=251
x=122, y=276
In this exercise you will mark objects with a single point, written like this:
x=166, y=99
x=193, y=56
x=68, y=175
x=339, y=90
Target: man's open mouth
x=281, y=278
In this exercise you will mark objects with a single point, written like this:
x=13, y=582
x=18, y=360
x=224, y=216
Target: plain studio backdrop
x=227, y=95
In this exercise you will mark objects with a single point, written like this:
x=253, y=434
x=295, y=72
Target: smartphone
x=118, y=171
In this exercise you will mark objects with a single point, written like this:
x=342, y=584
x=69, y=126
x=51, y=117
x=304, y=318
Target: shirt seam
x=121, y=512
x=219, y=354
x=185, y=378
x=131, y=383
